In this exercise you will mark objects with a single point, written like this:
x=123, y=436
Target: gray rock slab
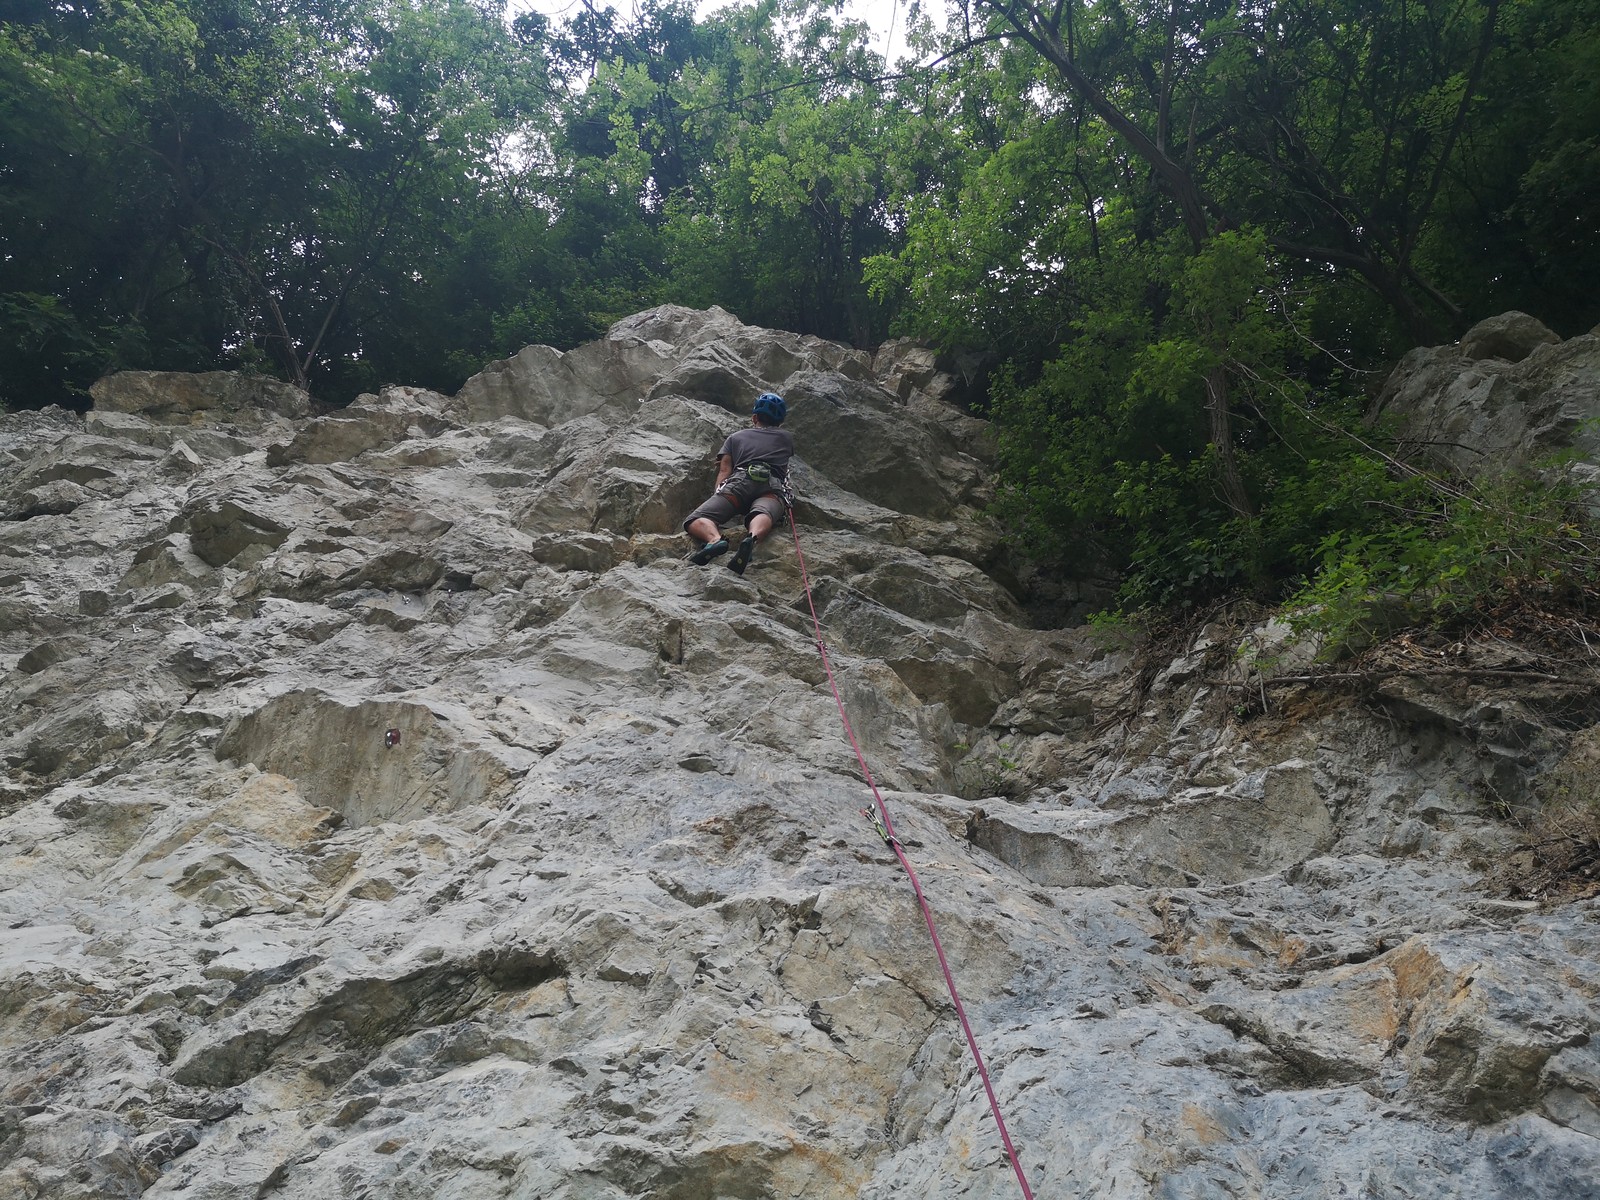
x=397, y=813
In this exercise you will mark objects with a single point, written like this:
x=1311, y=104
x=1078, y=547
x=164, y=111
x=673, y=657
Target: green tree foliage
x=1519, y=226
x=1329, y=126
x=1187, y=230
x=738, y=161
x=1012, y=217
x=201, y=182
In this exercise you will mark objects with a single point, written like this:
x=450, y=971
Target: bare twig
x=1419, y=672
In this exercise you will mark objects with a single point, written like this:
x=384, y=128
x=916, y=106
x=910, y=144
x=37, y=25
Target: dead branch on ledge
x=1371, y=673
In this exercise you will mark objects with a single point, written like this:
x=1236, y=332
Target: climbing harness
x=885, y=826
x=753, y=481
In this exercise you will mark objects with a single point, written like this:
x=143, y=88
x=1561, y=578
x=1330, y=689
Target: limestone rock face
x=398, y=414
x=1511, y=336
x=388, y=809
x=175, y=396
x=1508, y=395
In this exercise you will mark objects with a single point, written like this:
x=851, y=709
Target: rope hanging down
x=885, y=827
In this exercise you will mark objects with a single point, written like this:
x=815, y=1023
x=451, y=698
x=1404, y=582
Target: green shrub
x=48, y=356
x=1447, y=551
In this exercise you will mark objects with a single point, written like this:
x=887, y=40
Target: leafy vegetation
x=1185, y=237
x=1450, y=551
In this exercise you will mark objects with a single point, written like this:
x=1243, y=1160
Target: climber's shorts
x=720, y=509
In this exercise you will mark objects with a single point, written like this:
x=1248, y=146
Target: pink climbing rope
x=885, y=828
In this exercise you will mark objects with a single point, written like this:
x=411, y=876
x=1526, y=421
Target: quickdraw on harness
x=879, y=816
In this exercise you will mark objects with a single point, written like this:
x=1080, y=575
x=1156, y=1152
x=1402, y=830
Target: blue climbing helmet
x=771, y=408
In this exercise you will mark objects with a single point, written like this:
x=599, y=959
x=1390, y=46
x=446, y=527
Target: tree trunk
x=1228, y=478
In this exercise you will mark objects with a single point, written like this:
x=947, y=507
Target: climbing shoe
x=709, y=551
x=741, y=556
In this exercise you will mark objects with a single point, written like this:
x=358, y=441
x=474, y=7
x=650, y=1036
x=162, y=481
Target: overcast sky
x=887, y=17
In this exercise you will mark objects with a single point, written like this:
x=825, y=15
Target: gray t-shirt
x=760, y=443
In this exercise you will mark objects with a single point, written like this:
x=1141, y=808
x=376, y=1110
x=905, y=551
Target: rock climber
x=752, y=480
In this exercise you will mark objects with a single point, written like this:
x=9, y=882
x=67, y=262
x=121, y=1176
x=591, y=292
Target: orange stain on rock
x=1205, y=1127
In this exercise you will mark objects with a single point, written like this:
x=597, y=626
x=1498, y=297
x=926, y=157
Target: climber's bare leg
x=705, y=530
